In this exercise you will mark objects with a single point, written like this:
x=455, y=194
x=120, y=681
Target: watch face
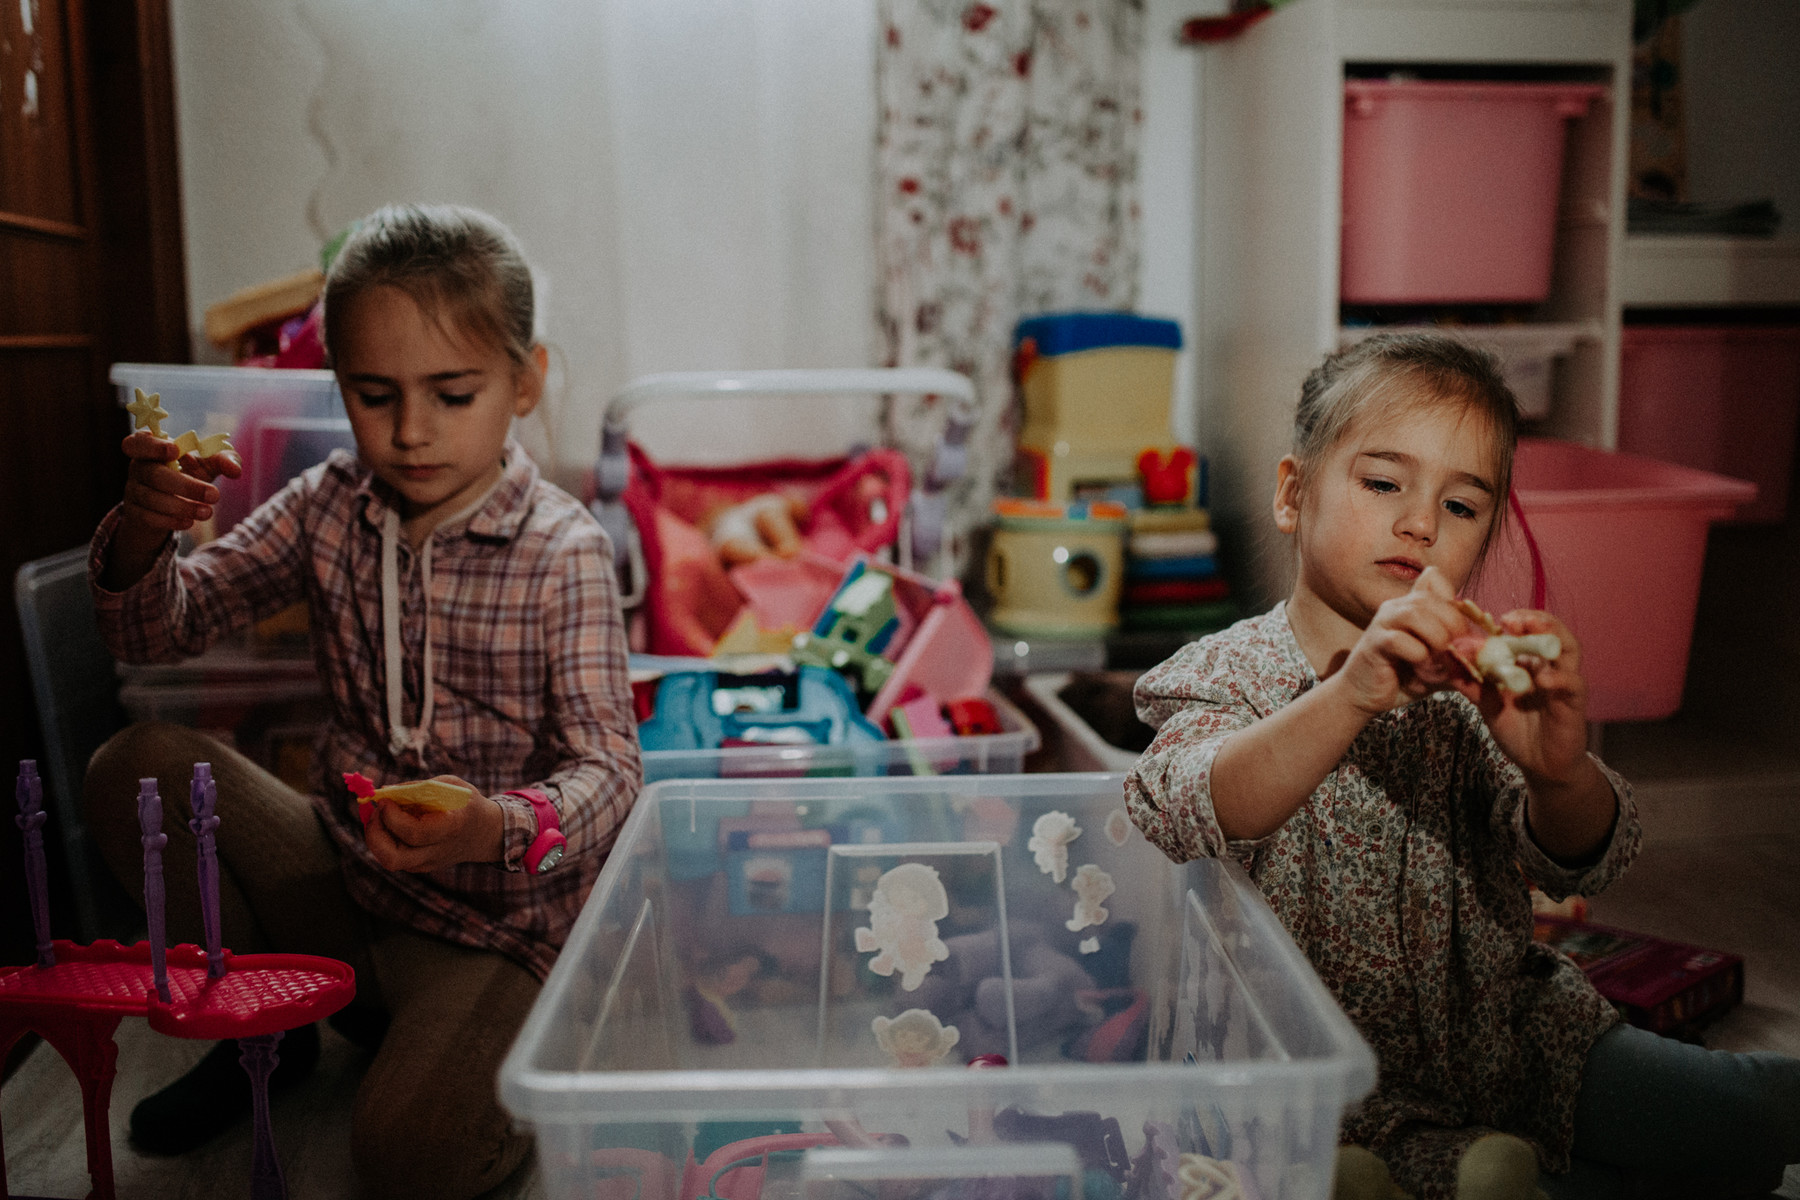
x=552, y=856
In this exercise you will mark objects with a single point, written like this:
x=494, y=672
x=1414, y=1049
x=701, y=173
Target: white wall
x=691, y=182
x=1741, y=67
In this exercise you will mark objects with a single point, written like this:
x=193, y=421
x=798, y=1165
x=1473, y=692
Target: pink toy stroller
x=680, y=595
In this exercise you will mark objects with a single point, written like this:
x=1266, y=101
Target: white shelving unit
x=1709, y=272
x=1272, y=103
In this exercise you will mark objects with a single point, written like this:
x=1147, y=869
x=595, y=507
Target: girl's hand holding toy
x=429, y=824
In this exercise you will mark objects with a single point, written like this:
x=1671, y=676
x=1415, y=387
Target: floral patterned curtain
x=1006, y=186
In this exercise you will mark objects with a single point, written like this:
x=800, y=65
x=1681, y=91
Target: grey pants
x=1657, y=1117
x=428, y=1120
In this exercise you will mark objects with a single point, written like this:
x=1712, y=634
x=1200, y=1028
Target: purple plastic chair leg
x=30, y=793
x=259, y=1058
x=203, y=797
x=154, y=839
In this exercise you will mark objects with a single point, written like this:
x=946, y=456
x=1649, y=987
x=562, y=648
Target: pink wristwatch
x=547, y=848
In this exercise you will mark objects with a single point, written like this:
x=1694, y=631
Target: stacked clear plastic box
x=281, y=422
x=714, y=1027
x=1001, y=753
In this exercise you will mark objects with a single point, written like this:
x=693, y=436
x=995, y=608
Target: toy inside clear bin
x=777, y=989
x=280, y=422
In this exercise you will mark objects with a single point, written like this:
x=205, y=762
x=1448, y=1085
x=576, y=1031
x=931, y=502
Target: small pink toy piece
x=363, y=788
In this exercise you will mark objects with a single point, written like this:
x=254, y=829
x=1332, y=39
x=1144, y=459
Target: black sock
x=215, y=1094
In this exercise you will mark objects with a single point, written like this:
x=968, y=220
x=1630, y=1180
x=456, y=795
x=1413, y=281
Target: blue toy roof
x=1065, y=333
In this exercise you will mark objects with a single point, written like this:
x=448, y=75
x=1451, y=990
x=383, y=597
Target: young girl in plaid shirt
x=466, y=627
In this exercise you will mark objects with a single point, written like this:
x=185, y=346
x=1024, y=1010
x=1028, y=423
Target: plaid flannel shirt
x=529, y=674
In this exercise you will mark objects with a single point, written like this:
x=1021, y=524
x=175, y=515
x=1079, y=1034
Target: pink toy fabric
x=852, y=505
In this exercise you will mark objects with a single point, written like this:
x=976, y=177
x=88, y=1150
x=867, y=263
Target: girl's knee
x=148, y=748
x=422, y=1149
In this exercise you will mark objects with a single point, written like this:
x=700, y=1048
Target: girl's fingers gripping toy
x=429, y=795
x=1491, y=654
x=148, y=413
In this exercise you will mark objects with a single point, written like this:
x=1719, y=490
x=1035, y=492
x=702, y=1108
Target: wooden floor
x=40, y=1114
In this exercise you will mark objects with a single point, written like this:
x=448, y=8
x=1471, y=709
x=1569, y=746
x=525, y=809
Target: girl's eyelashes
x=1459, y=508
x=1375, y=483
x=373, y=399
x=458, y=399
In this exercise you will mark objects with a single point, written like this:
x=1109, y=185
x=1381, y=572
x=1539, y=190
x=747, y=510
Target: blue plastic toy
x=705, y=710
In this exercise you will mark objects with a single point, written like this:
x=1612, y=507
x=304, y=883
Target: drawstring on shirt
x=418, y=738
x=400, y=738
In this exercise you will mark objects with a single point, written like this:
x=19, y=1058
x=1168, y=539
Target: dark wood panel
x=45, y=284
x=37, y=113
x=139, y=209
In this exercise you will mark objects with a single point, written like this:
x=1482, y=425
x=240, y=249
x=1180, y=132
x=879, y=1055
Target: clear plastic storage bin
x=717, y=1025
x=281, y=422
x=1000, y=753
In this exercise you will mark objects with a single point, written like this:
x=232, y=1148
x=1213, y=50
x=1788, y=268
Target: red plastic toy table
x=76, y=1005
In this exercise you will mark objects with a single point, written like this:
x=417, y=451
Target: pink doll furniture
x=74, y=996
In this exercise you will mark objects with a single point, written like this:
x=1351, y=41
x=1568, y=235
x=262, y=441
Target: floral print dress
x=1400, y=878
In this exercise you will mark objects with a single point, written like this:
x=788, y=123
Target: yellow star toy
x=147, y=412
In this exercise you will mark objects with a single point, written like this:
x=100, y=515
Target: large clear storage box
x=777, y=988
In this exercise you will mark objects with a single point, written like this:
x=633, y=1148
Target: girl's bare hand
x=158, y=499
x=1403, y=654
x=402, y=838
x=1544, y=730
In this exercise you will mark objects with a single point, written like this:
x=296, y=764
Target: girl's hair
x=1388, y=372
x=461, y=267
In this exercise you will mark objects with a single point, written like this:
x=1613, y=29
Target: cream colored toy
x=908, y=903
x=1118, y=827
x=148, y=413
x=915, y=1038
x=1091, y=885
x=1204, y=1178
x=1049, y=844
x=1495, y=658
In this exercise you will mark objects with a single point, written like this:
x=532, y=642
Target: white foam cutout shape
x=1118, y=826
x=915, y=1038
x=1088, y=945
x=908, y=903
x=1049, y=844
x=1091, y=885
x=1204, y=1178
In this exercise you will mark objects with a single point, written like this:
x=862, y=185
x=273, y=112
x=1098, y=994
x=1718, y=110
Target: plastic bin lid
x=1571, y=99
x=1066, y=333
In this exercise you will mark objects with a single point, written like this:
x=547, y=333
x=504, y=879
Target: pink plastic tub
x=1623, y=539
x=1720, y=398
x=1450, y=189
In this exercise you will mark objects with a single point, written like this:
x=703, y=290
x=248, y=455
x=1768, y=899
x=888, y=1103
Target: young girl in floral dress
x=1385, y=803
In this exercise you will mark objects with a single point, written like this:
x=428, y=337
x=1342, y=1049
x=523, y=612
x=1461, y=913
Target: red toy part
x=363, y=788
x=735, y=1171
x=77, y=1004
x=973, y=717
x=1166, y=482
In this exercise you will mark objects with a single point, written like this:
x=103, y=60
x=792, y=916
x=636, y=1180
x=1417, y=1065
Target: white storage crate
x=1000, y=753
x=281, y=422
x=715, y=1027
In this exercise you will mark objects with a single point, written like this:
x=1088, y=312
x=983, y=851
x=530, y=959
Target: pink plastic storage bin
x=1720, y=398
x=1623, y=539
x=1450, y=189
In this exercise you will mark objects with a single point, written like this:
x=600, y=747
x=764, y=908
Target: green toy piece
x=850, y=635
